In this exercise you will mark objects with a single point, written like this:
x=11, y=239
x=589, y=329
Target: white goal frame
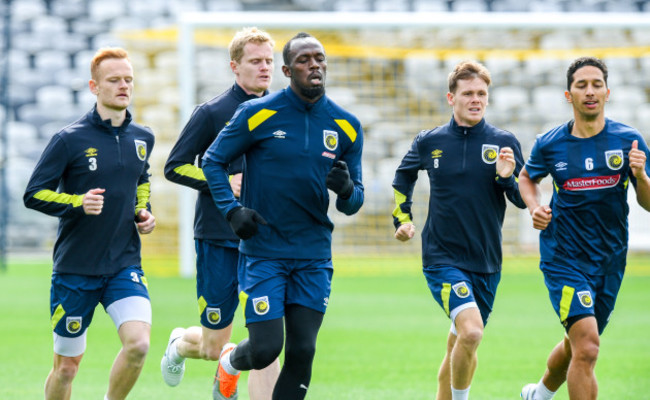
x=190, y=22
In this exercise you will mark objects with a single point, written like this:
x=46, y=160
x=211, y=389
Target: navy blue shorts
x=456, y=289
x=73, y=298
x=216, y=283
x=574, y=293
x=266, y=285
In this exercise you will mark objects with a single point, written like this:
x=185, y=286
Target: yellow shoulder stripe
x=190, y=171
x=142, y=193
x=62, y=198
x=397, y=212
x=259, y=117
x=347, y=128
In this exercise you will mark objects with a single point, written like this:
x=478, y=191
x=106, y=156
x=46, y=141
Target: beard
x=312, y=92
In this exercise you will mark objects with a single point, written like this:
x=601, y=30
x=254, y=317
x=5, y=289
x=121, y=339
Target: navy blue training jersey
x=88, y=154
x=197, y=135
x=289, y=147
x=588, y=229
x=467, y=198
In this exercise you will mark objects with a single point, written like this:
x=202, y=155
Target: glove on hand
x=243, y=221
x=338, y=180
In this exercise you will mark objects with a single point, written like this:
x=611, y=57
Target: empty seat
x=54, y=96
x=51, y=61
x=508, y=98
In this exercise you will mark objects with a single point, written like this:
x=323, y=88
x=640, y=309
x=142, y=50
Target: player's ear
x=92, y=85
x=567, y=94
x=286, y=71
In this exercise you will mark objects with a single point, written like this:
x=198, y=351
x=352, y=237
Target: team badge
x=461, y=289
x=489, y=153
x=261, y=305
x=73, y=324
x=213, y=315
x=141, y=149
x=585, y=299
x=614, y=159
x=330, y=139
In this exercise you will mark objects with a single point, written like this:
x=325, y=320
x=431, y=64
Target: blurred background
x=390, y=73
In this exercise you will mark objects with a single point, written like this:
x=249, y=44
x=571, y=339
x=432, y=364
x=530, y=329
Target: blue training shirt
x=289, y=147
x=467, y=198
x=589, y=229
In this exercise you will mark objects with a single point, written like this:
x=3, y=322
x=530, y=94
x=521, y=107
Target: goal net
x=390, y=70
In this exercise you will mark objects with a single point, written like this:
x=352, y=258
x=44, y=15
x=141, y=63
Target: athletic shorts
x=456, y=289
x=73, y=298
x=266, y=285
x=575, y=293
x=216, y=283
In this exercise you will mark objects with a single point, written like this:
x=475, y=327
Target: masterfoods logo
x=594, y=182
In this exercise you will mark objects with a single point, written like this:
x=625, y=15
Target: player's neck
x=117, y=117
x=583, y=128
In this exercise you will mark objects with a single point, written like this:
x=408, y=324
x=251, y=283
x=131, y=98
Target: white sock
x=227, y=366
x=459, y=394
x=173, y=353
x=542, y=392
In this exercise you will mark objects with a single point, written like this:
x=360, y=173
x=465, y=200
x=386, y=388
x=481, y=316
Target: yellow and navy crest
x=461, y=289
x=614, y=159
x=261, y=305
x=213, y=315
x=331, y=140
x=489, y=153
x=437, y=153
x=141, y=149
x=73, y=324
x=91, y=152
x=585, y=299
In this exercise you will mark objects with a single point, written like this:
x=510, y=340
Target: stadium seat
x=430, y=6
x=102, y=10
x=26, y=9
x=51, y=61
x=54, y=96
x=48, y=24
x=550, y=102
x=68, y=9
x=505, y=99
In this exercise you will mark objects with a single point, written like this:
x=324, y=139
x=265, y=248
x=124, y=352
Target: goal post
x=390, y=70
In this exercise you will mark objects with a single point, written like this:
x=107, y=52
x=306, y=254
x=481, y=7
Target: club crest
x=213, y=315
x=461, y=289
x=489, y=153
x=614, y=159
x=330, y=140
x=585, y=299
x=73, y=324
x=141, y=149
x=261, y=305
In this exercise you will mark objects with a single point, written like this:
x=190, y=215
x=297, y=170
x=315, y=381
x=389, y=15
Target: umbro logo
x=279, y=134
x=561, y=166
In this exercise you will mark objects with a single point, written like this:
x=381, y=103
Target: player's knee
x=471, y=337
x=587, y=352
x=263, y=354
x=137, y=349
x=302, y=352
x=66, y=370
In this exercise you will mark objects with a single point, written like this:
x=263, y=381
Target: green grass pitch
x=383, y=336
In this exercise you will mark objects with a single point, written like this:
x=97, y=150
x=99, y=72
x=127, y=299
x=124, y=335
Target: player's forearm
x=219, y=185
x=530, y=192
x=643, y=192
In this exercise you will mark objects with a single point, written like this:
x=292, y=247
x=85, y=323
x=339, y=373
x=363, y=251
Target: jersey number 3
x=93, y=163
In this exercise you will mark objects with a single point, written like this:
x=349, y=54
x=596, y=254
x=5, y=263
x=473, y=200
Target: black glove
x=338, y=180
x=243, y=221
